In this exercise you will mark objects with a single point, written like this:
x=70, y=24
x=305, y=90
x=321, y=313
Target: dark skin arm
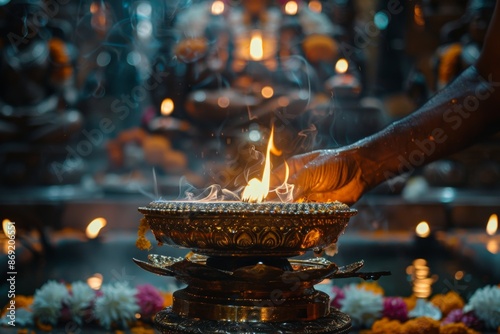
x=461, y=114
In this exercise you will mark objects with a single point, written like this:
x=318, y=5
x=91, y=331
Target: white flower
x=48, y=300
x=363, y=306
x=116, y=304
x=79, y=300
x=485, y=303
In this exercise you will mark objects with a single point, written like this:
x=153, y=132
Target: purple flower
x=395, y=308
x=468, y=318
x=338, y=295
x=149, y=300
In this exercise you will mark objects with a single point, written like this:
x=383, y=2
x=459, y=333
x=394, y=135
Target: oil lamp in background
x=343, y=83
x=422, y=288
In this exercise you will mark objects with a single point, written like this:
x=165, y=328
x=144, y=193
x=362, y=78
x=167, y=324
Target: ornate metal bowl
x=247, y=229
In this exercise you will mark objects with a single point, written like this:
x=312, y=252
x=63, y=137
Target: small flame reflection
x=256, y=47
x=422, y=283
x=217, y=7
x=492, y=226
x=423, y=230
x=492, y=246
x=167, y=106
x=95, y=227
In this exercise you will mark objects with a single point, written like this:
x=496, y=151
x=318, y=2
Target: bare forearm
x=456, y=117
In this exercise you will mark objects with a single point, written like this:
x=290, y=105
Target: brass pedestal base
x=169, y=322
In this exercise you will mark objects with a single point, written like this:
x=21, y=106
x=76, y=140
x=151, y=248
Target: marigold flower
x=386, y=325
x=422, y=325
x=448, y=302
x=456, y=328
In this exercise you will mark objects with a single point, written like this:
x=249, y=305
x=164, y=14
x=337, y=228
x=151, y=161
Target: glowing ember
x=256, y=47
x=291, y=7
x=423, y=230
x=492, y=226
x=217, y=7
x=257, y=190
x=341, y=66
x=95, y=227
x=167, y=106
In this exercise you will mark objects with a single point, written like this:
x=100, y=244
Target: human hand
x=324, y=176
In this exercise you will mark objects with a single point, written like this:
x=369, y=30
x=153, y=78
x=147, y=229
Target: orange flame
x=256, y=47
x=492, y=226
x=257, y=190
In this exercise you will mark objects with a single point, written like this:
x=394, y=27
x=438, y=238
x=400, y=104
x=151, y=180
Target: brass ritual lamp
x=241, y=276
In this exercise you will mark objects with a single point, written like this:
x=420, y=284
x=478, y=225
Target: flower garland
x=113, y=306
x=118, y=306
x=374, y=313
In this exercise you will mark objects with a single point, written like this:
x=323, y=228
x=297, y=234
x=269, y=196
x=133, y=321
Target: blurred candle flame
x=94, y=227
x=257, y=190
x=315, y=6
x=256, y=47
x=217, y=7
x=267, y=92
x=423, y=230
x=341, y=66
x=291, y=7
x=95, y=281
x=492, y=226
x=8, y=227
x=167, y=106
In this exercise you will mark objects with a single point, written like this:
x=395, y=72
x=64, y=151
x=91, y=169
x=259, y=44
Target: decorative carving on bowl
x=247, y=229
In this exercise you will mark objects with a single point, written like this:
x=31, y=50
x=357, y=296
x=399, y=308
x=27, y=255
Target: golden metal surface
x=247, y=229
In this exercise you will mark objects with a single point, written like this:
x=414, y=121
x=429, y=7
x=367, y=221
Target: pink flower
x=338, y=295
x=149, y=300
x=395, y=308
